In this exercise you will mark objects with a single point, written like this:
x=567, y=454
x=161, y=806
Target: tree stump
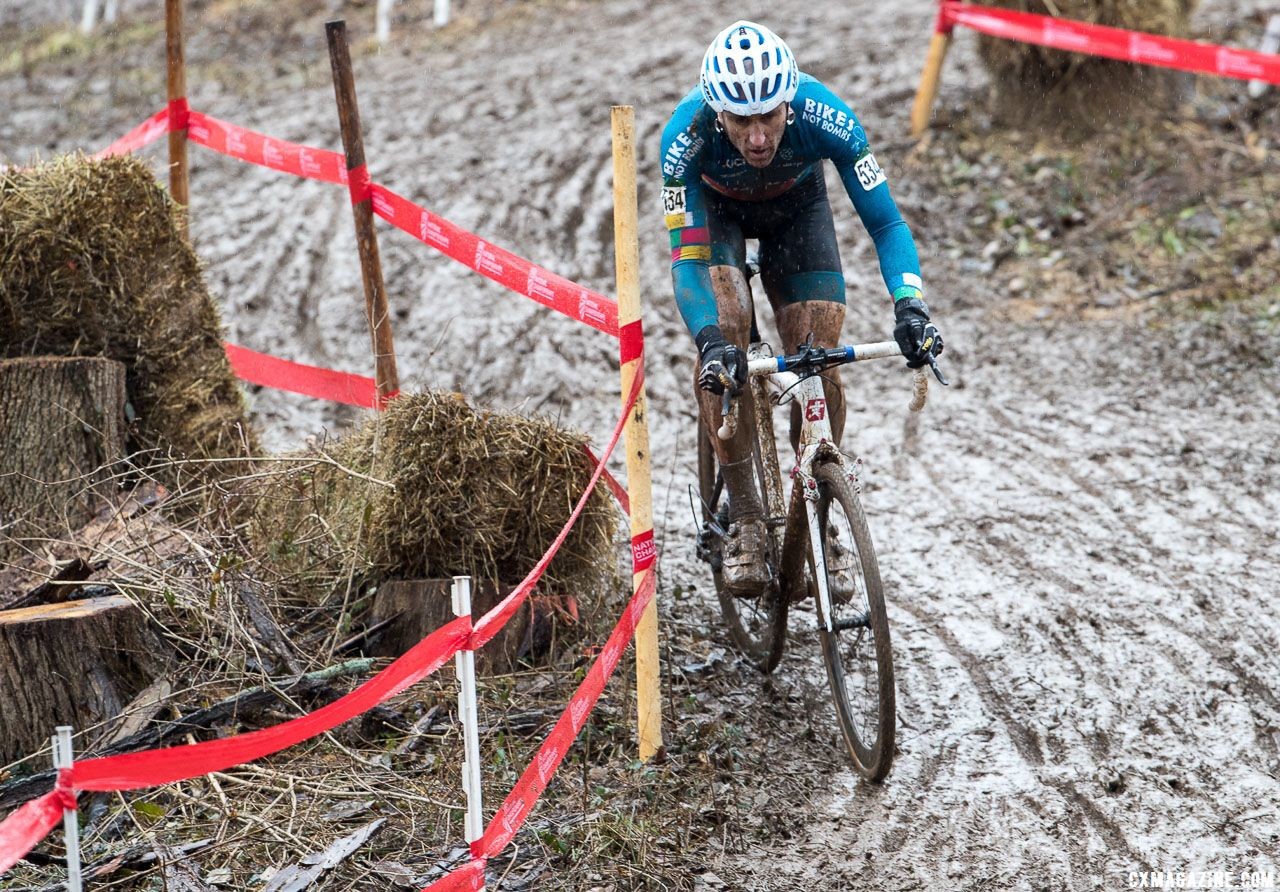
x=414, y=608
x=76, y=664
x=61, y=427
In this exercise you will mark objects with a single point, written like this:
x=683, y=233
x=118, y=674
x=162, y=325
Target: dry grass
x=95, y=265
x=433, y=488
x=1039, y=82
x=606, y=821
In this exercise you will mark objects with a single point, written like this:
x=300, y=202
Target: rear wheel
x=857, y=652
x=757, y=624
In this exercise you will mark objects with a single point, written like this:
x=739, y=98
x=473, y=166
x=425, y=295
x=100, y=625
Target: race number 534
x=869, y=173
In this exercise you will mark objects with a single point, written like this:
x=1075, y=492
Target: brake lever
x=937, y=372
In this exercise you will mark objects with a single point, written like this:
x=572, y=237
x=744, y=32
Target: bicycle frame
x=817, y=444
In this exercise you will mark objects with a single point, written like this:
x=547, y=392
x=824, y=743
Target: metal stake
x=466, y=662
x=62, y=758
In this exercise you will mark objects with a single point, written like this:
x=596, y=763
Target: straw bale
x=432, y=488
x=1034, y=79
x=92, y=263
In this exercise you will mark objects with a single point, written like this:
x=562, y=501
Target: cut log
x=414, y=608
x=74, y=664
x=61, y=426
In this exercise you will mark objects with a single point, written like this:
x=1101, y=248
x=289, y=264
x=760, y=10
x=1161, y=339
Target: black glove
x=916, y=336
x=721, y=365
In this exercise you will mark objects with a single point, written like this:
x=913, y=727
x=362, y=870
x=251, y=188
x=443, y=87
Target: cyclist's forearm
x=895, y=246
x=899, y=261
x=694, y=296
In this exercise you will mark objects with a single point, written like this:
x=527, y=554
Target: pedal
x=707, y=548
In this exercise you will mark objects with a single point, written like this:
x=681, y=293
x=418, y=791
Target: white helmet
x=748, y=70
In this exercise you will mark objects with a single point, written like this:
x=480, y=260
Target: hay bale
x=1028, y=79
x=92, y=263
x=459, y=492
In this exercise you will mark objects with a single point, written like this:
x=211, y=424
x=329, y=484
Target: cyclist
x=742, y=158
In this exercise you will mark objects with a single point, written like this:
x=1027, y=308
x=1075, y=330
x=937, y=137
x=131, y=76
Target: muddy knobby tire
x=859, y=660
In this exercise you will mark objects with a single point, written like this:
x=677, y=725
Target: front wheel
x=856, y=650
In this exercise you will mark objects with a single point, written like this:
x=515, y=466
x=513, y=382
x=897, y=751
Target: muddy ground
x=1079, y=537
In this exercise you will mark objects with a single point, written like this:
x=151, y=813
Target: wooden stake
x=627, y=257
x=375, y=293
x=178, y=175
x=922, y=110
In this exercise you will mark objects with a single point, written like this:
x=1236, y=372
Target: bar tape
x=493, y=621
x=1113, y=43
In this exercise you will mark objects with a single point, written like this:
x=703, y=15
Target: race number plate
x=869, y=173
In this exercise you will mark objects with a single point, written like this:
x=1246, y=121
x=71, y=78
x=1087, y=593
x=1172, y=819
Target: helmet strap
x=719, y=126
x=791, y=116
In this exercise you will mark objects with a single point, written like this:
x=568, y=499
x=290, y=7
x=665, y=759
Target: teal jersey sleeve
x=842, y=139
x=685, y=212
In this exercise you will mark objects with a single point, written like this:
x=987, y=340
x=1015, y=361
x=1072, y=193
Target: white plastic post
x=466, y=662
x=442, y=13
x=384, y=21
x=112, y=10
x=1270, y=44
x=89, y=17
x=70, y=818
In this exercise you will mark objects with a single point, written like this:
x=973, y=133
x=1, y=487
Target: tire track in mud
x=998, y=551
x=1024, y=739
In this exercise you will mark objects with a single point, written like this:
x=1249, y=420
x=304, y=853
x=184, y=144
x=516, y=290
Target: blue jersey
x=696, y=157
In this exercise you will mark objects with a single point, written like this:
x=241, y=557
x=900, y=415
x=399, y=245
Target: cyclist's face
x=756, y=136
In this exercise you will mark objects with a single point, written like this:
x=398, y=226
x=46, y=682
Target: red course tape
x=515, y=809
x=308, y=380
x=359, y=184
x=632, y=341
x=496, y=263
x=643, y=551
x=618, y=490
x=1112, y=43
x=146, y=769
x=257, y=148
x=25, y=827
x=139, y=137
x=31, y=823
x=469, y=878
